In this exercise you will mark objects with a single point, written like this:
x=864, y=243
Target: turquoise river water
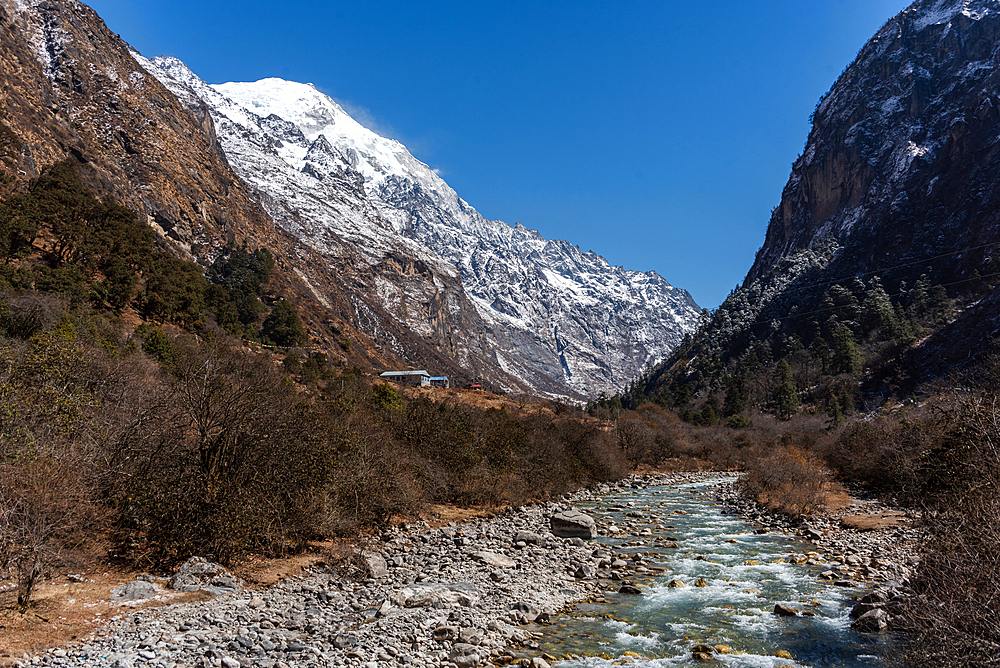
x=744, y=574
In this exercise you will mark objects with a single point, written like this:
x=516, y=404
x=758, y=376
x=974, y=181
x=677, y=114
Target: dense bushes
x=944, y=461
x=395, y=452
x=181, y=445
x=220, y=460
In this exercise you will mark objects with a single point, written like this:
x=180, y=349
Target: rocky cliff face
x=72, y=88
x=546, y=314
x=372, y=244
x=901, y=163
x=897, y=188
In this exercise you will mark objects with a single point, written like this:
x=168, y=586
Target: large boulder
x=874, y=621
x=573, y=523
x=133, y=591
x=861, y=609
x=200, y=573
x=427, y=595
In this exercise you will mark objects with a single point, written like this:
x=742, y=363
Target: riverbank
x=461, y=594
x=863, y=542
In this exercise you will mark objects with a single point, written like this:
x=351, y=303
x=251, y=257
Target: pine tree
x=785, y=397
x=846, y=353
x=836, y=413
x=877, y=311
x=283, y=327
x=709, y=415
x=737, y=396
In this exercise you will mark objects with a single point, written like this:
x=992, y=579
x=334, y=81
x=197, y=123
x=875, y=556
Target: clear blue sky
x=658, y=134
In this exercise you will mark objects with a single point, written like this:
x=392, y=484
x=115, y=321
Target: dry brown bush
x=47, y=506
x=787, y=479
x=219, y=459
x=884, y=454
x=958, y=580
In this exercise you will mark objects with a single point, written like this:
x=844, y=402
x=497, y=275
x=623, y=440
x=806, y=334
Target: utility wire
x=875, y=272
x=835, y=308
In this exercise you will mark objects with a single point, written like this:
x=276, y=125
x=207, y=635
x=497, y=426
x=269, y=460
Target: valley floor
x=463, y=593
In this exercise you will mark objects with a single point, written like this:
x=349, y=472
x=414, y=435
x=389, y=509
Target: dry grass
x=63, y=612
x=876, y=521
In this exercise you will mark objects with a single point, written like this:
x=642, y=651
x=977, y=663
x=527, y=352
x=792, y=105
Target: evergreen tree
x=820, y=350
x=737, y=396
x=877, y=311
x=785, y=397
x=18, y=226
x=175, y=292
x=836, y=413
x=238, y=279
x=846, y=353
x=709, y=415
x=939, y=304
x=843, y=303
x=283, y=327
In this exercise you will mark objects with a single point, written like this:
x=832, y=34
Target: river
x=742, y=575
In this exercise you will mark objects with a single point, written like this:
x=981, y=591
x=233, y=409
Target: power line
x=834, y=308
x=875, y=272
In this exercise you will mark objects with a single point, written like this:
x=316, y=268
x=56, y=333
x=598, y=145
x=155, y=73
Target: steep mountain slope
x=348, y=215
x=897, y=190
x=71, y=88
x=542, y=311
x=902, y=160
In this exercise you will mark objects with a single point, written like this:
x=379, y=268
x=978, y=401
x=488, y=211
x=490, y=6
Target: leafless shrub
x=787, y=479
x=958, y=581
x=24, y=314
x=46, y=505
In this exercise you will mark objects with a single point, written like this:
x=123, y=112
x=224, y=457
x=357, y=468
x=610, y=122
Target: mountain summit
x=545, y=313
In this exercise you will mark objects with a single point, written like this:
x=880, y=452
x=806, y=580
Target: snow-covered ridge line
x=545, y=309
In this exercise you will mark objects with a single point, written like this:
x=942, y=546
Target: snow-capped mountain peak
x=316, y=115
x=543, y=312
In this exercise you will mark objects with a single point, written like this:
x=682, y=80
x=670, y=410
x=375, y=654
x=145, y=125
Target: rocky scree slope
x=547, y=314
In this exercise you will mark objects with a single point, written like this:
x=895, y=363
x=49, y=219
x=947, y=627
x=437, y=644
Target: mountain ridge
x=532, y=294
x=888, y=226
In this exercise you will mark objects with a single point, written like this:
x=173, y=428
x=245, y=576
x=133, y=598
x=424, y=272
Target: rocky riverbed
x=865, y=542
x=458, y=595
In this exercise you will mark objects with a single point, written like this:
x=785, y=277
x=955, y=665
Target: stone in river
x=785, y=611
x=675, y=584
x=863, y=608
x=873, y=621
